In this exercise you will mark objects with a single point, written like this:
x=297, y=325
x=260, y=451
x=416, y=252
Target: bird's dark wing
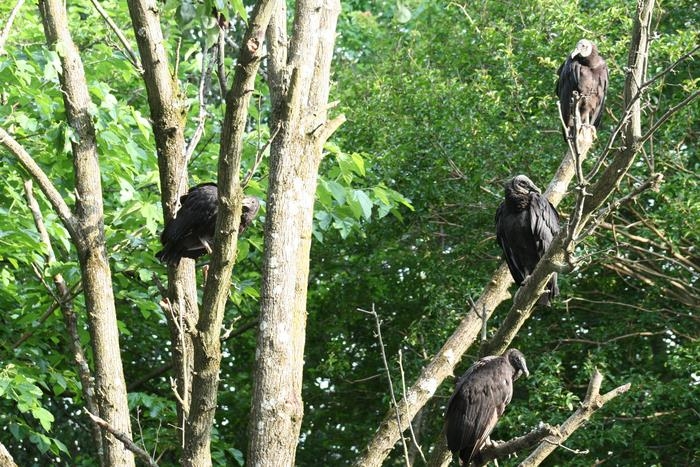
x=504, y=229
x=198, y=211
x=569, y=75
x=601, y=74
x=477, y=404
x=544, y=222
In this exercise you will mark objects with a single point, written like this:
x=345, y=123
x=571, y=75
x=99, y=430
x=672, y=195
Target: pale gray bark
x=207, y=339
x=6, y=459
x=89, y=238
x=299, y=82
x=166, y=106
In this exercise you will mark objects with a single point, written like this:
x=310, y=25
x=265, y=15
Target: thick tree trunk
x=89, y=239
x=166, y=106
x=207, y=339
x=299, y=90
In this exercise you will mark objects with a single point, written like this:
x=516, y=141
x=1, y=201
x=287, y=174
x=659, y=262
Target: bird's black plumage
x=526, y=223
x=584, y=72
x=190, y=234
x=479, y=400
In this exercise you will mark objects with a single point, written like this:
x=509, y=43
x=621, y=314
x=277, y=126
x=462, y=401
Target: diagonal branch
x=8, y=25
x=64, y=299
x=125, y=439
x=593, y=401
x=130, y=54
x=46, y=186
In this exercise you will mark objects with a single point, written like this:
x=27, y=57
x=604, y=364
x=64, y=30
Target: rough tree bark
x=207, y=338
x=299, y=84
x=89, y=237
x=65, y=302
x=167, y=114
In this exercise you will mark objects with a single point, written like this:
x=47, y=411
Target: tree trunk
x=207, y=338
x=181, y=307
x=89, y=238
x=299, y=85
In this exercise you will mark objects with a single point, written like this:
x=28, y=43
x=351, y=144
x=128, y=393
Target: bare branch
x=259, y=156
x=8, y=25
x=521, y=443
x=681, y=105
x=125, y=439
x=220, y=56
x=388, y=376
x=593, y=401
x=5, y=457
x=410, y=425
x=130, y=54
x=202, y=115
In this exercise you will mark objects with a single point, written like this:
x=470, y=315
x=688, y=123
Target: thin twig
x=410, y=425
x=220, y=55
x=8, y=25
x=388, y=374
x=652, y=182
x=202, y=115
x=259, y=156
x=125, y=439
x=130, y=54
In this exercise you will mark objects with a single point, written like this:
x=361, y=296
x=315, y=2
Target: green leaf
x=44, y=416
x=237, y=455
x=240, y=9
x=338, y=191
x=243, y=250
x=365, y=203
x=359, y=164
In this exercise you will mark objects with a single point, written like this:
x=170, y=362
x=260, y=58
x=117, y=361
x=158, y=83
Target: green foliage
x=447, y=105
x=444, y=101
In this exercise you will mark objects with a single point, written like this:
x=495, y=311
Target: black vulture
x=526, y=223
x=191, y=232
x=479, y=400
x=585, y=73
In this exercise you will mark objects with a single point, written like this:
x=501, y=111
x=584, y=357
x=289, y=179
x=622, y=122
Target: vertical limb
x=110, y=387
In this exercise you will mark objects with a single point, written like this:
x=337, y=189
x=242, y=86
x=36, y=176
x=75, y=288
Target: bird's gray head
x=584, y=48
x=517, y=361
x=251, y=204
x=521, y=184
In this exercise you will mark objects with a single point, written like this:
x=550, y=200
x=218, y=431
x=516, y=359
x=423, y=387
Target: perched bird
x=190, y=234
x=585, y=73
x=479, y=400
x=526, y=223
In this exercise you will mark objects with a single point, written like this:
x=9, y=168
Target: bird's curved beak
x=524, y=370
x=575, y=52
